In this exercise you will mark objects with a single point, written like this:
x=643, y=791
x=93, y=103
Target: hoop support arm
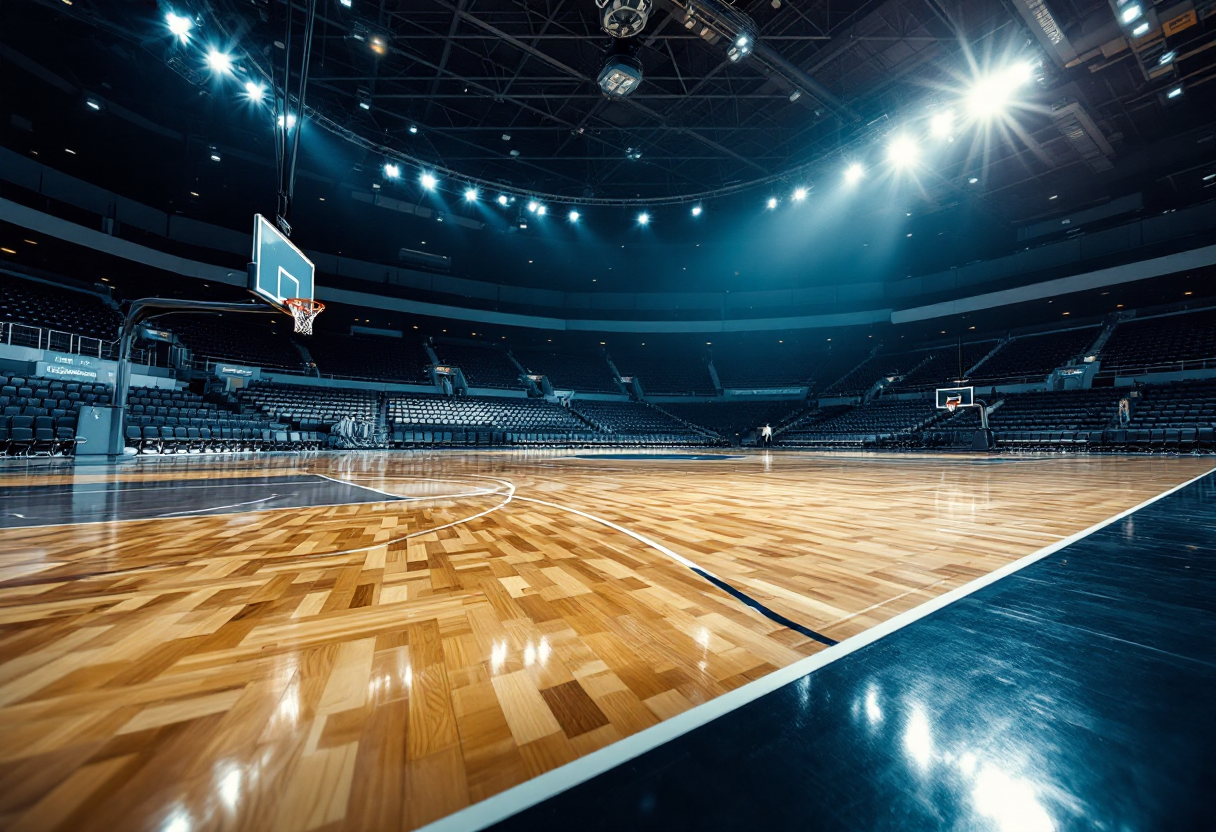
x=142, y=310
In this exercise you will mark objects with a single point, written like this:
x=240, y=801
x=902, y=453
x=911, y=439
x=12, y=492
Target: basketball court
x=393, y=640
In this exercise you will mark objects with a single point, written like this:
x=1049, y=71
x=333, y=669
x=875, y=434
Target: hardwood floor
x=380, y=665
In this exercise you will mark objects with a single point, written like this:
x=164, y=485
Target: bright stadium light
x=903, y=152
x=643, y=218
x=220, y=62
x=696, y=210
x=853, y=173
x=428, y=181
x=470, y=195
x=502, y=199
x=1141, y=30
x=254, y=91
x=942, y=124
x=799, y=194
x=772, y=203
x=990, y=96
x=533, y=205
x=540, y=210
x=1131, y=13
x=179, y=26
x=291, y=121
x=573, y=216
x=392, y=171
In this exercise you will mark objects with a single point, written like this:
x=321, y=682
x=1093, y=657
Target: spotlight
x=502, y=199
x=413, y=129
x=220, y=62
x=799, y=194
x=378, y=46
x=470, y=195
x=346, y=3
x=533, y=205
x=215, y=154
x=1131, y=13
x=696, y=210
x=540, y=210
x=621, y=70
x=795, y=95
x=903, y=152
x=1167, y=58
x=942, y=124
x=772, y=202
x=973, y=180
x=364, y=98
x=179, y=25
x=291, y=121
x=990, y=95
x=742, y=41
x=853, y=173
x=392, y=171
x=1174, y=93
x=255, y=92
x=573, y=216
x=93, y=104
x=643, y=218
x=1141, y=30
x=428, y=181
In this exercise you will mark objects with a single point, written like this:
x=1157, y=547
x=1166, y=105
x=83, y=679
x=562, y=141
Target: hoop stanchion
x=304, y=311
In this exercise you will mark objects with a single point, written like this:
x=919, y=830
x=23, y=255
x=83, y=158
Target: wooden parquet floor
x=380, y=665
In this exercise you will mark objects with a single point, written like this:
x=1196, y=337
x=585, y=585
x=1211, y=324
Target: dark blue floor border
x=27, y=506
x=1074, y=691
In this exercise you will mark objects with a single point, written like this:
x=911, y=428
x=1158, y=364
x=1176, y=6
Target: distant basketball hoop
x=304, y=312
x=953, y=402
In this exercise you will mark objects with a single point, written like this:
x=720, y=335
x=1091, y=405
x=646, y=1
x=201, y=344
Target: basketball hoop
x=304, y=311
x=952, y=403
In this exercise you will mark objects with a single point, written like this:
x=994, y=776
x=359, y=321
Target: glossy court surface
x=465, y=623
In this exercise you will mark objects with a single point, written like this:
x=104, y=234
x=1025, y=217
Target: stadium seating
x=778, y=367
x=879, y=423
x=581, y=373
x=35, y=303
x=1164, y=342
x=40, y=415
x=171, y=420
x=483, y=420
x=943, y=368
x=734, y=420
x=1035, y=356
x=664, y=374
x=371, y=357
x=1051, y=420
x=482, y=366
x=244, y=342
x=311, y=408
x=638, y=423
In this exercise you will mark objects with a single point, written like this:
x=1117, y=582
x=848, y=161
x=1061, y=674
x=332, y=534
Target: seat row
x=37, y=435
x=169, y=440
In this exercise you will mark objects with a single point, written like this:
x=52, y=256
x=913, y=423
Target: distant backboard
x=280, y=270
x=961, y=395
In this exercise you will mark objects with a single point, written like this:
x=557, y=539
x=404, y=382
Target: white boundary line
x=356, y=485
x=551, y=783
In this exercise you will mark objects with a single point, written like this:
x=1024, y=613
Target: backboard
x=962, y=397
x=280, y=270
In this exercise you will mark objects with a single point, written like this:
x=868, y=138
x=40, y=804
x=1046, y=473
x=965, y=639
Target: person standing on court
x=766, y=435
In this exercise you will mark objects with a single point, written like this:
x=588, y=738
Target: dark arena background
x=607, y=415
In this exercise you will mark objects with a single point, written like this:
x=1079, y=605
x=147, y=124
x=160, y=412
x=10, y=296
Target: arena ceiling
x=502, y=94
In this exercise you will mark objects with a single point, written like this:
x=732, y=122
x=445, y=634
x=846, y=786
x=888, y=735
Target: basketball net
x=304, y=311
x=952, y=404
